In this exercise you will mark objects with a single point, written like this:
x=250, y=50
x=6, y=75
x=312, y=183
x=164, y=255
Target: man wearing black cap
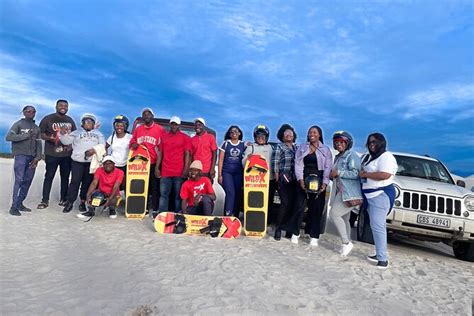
x=26, y=148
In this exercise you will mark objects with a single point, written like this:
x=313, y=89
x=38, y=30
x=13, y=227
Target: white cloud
x=201, y=90
x=256, y=30
x=18, y=88
x=454, y=99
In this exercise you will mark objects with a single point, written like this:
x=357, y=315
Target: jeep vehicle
x=429, y=205
x=188, y=129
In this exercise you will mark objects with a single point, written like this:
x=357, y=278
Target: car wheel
x=464, y=250
x=364, y=233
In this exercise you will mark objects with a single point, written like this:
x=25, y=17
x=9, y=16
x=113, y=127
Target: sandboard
x=175, y=223
x=138, y=170
x=256, y=185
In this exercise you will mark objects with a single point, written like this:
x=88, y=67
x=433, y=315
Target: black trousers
x=124, y=182
x=52, y=164
x=153, y=190
x=287, y=207
x=272, y=213
x=315, y=211
x=80, y=178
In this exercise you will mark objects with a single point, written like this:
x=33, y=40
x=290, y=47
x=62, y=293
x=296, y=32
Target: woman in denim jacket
x=346, y=185
x=312, y=157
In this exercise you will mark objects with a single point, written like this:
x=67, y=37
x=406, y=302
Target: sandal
x=42, y=205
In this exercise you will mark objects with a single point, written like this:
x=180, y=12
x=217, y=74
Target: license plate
x=433, y=221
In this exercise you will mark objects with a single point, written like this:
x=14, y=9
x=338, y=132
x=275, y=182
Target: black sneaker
x=82, y=207
x=62, y=203
x=277, y=234
x=23, y=208
x=68, y=207
x=112, y=213
x=15, y=212
x=373, y=258
x=382, y=265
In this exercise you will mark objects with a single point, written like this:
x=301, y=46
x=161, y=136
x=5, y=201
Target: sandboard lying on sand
x=138, y=171
x=256, y=185
x=214, y=226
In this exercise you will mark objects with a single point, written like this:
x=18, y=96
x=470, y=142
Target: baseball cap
x=175, y=119
x=200, y=119
x=149, y=110
x=196, y=164
x=108, y=158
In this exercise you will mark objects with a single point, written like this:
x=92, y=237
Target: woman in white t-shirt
x=378, y=170
x=118, y=145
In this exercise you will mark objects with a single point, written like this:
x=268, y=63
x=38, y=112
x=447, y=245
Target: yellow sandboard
x=256, y=185
x=138, y=171
x=172, y=223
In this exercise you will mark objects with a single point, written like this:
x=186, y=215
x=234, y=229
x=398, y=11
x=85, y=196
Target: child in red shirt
x=197, y=193
x=108, y=179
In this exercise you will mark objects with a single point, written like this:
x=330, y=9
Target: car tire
x=464, y=250
x=364, y=233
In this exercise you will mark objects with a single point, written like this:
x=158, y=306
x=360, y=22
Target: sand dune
x=53, y=263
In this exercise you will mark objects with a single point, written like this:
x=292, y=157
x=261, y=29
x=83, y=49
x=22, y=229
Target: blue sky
x=404, y=68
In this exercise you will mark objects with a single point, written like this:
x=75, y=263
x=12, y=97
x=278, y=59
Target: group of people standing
x=184, y=166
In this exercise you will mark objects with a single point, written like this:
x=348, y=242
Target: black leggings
x=80, y=178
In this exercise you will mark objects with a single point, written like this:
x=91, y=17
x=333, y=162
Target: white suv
x=429, y=206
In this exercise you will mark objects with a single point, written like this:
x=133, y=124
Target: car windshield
x=422, y=168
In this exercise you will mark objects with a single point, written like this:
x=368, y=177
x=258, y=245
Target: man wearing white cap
x=149, y=134
x=204, y=148
x=108, y=179
x=172, y=164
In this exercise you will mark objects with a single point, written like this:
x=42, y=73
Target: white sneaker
x=294, y=239
x=314, y=242
x=347, y=248
x=87, y=214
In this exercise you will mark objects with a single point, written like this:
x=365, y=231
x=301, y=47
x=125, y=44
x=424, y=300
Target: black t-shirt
x=310, y=164
x=50, y=125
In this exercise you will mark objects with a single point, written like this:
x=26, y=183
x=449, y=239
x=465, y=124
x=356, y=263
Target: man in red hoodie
x=149, y=135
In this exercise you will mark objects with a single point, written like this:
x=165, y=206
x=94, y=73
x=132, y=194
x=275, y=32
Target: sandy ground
x=54, y=264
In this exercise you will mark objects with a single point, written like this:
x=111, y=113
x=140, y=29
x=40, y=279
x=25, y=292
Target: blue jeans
x=23, y=178
x=378, y=209
x=166, y=185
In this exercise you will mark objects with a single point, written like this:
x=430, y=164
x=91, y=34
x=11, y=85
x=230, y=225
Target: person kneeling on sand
x=108, y=179
x=197, y=193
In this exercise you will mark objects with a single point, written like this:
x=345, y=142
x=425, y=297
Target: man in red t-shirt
x=149, y=134
x=197, y=192
x=204, y=148
x=174, y=157
x=108, y=179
